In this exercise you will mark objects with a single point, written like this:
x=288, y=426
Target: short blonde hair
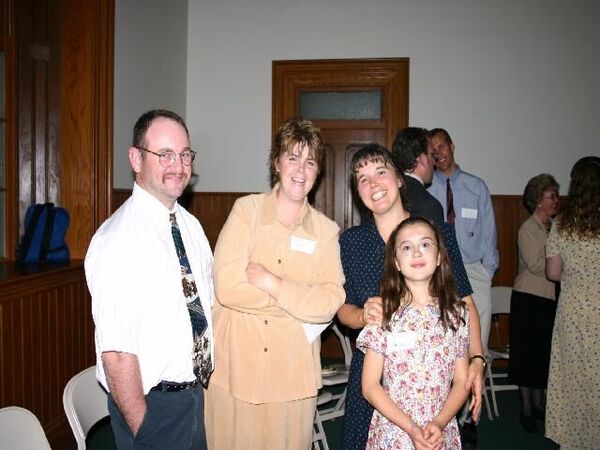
x=293, y=132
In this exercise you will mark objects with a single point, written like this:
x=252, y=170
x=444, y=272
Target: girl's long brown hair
x=395, y=293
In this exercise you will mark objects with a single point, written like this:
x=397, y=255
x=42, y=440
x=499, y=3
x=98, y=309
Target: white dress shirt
x=133, y=275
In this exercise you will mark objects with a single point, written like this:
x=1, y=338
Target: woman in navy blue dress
x=381, y=191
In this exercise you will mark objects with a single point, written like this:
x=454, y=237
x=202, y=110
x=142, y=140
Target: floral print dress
x=419, y=358
x=573, y=399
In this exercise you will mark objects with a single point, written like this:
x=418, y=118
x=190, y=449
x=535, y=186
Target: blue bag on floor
x=44, y=238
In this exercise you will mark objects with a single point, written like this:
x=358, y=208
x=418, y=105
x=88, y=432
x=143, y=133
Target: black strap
x=29, y=232
x=48, y=227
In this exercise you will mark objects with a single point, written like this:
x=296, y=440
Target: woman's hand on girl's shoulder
x=373, y=311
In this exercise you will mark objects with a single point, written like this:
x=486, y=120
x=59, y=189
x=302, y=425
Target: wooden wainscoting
x=46, y=337
x=212, y=209
x=510, y=214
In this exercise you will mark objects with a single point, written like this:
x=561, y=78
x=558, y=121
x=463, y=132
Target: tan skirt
x=234, y=424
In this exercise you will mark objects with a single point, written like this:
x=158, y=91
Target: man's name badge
x=469, y=213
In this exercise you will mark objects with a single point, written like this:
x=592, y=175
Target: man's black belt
x=170, y=386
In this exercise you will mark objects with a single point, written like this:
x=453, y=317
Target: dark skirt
x=358, y=412
x=531, y=323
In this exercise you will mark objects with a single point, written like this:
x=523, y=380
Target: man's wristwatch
x=481, y=357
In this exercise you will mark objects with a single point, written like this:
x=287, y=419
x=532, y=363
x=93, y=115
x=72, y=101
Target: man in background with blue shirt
x=468, y=206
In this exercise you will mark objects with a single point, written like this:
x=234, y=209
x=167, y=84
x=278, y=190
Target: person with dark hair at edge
x=572, y=256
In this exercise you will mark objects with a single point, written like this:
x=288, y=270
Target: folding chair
x=85, y=404
x=21, y=430
x=500, y=305
x=337, y=377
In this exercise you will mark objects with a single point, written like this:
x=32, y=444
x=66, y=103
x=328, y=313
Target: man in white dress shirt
x=143, y=275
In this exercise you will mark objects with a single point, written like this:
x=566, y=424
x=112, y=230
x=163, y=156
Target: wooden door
x=354, y=102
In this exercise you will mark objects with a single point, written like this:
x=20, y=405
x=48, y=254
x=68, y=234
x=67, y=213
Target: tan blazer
x=531, y=276
x=262, y=352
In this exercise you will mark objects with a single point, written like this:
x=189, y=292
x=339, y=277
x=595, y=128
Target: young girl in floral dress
x=416, y=361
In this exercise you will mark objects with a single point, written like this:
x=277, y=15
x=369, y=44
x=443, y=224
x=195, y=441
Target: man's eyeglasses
x=167, y=158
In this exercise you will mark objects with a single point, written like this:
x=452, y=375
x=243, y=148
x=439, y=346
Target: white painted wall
x=516, y=83
x=150, y=69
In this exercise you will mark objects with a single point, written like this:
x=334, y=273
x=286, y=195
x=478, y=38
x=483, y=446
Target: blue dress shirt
x=475, y=223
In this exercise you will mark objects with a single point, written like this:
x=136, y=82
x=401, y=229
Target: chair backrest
x=21, y=430
x=501, y=299
x=345, y=342
x=85, y=403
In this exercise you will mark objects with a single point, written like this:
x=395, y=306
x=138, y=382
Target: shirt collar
x=452, y=177
x=152, y=207
x=269, y=212
x=416, y=177
x=539, y=222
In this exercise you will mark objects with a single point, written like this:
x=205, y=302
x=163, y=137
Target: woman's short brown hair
x=293, y=132
x=535, y=189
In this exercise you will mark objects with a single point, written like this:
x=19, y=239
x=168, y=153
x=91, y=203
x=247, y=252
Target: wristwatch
x=481, y=357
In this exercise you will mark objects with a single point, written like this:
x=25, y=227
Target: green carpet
x=502, y=433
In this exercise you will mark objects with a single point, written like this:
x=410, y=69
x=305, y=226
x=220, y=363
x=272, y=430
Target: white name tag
x=401, y=341
x=469, y=213
x=298, y=244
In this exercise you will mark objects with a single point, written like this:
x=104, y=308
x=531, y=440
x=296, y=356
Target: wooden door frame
x=390, y=75
x=60, y=104
x=8, y=45
x=86, y=117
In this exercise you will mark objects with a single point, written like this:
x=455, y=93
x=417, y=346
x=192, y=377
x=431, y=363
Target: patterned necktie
x=201, y=355
x=450, y=215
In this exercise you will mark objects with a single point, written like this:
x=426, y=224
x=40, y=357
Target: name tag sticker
x=401, y=341
x=469, y=213
x=298, y=244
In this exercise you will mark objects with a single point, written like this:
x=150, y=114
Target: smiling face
x=548, y=203
x=297, y=170
x=377, y=184
x=444, y=154
x=417, y=252
x=165, y=183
